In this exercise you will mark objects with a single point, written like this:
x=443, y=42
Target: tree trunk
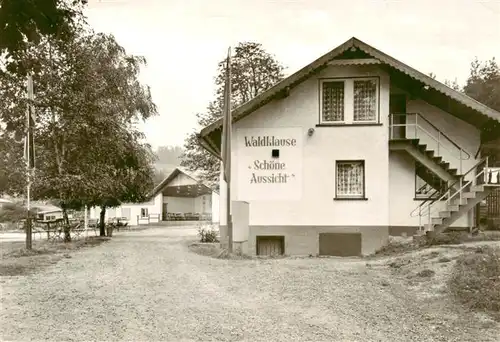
x=102, y=225
x=67, y=232
x=109, y=230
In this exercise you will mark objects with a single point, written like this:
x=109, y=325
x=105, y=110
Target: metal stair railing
x=426, y=189
x=428, y=207
x=439, y=139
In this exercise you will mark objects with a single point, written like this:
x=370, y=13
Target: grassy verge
x=399, y=245
x=15, y=260
x=475, y=281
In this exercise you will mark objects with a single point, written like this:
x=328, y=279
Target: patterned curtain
x=350, y=179
x=333, y=101
x=365, y=100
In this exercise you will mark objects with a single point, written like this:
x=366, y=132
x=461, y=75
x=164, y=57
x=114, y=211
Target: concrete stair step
x=459, y=201
x=445, y=213
x=468, y=195
x=477, y=188
x=437, y=220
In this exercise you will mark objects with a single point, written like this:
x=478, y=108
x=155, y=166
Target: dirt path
x=146, y=286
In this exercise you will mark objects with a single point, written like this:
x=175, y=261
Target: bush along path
x=148, y=286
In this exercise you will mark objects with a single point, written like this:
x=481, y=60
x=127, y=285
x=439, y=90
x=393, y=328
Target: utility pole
x=226, y=149
x=86, y=222
x=29, y=155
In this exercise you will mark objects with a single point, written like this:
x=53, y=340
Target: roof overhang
x=209, y=145
x=356, y=52
x=49, y=211
x=190, y=191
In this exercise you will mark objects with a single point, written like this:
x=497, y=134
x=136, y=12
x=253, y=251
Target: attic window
x=349, y=101
x=365, y=100
x=333, y=101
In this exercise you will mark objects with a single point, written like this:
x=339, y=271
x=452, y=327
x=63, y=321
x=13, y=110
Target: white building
x=181, y=196
x=47, y=212
x=351, y=148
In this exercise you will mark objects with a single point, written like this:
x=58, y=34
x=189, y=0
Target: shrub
x=395, y=247
x=475, y=281
x=208, y=233
x=14, y=212
x=448, y=238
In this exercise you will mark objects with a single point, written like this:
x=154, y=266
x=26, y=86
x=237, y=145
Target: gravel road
x=147, y=286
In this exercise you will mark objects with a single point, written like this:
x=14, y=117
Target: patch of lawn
x=206, y=249
x=16, y=260
x=475, y=281
x=402, y=246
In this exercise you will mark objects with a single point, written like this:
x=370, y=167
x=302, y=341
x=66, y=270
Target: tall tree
x=253, y=70
x=12, y=166
x=483, y=84
x=88, y=98
x=129, y=174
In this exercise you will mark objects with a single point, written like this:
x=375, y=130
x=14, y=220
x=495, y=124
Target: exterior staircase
x=458, y=199
x=432, y=182
x=464, y=190
x=426, y=157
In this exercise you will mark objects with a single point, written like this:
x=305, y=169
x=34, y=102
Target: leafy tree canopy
x=483, y=83
x=87, y=101
x=25, y=22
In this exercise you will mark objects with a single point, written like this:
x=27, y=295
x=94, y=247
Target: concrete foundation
x=304, y=240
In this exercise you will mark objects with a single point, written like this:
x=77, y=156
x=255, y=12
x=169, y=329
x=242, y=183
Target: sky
x=183, y=41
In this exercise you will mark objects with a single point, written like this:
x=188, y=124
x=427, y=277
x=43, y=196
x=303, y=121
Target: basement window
x=270, y=245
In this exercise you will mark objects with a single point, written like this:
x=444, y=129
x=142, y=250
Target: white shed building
x=181, y=196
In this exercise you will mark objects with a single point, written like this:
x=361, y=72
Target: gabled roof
x=195, y=176
x=45, y=208
x=426, y=87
